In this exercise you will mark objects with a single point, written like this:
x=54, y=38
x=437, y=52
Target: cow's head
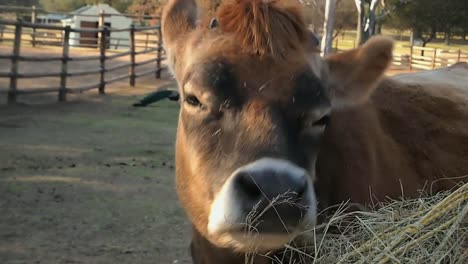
x=256, y=100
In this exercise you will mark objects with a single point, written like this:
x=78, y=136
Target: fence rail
x=423, y=58
x=416, y=57
x=102, y=44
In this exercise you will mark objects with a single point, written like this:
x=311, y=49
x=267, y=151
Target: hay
x=426, y=230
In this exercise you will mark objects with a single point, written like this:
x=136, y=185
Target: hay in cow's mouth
x=430, y=229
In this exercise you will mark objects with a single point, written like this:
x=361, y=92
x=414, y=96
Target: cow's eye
x=322, y=121
x=193, y=100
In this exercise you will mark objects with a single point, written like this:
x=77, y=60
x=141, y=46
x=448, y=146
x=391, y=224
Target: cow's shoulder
x=452, y=77
x=426, y=114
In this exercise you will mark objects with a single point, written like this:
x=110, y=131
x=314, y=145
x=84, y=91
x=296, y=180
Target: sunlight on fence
x=142, y=40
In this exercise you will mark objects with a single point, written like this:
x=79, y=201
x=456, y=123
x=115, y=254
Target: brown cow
x=258, y=103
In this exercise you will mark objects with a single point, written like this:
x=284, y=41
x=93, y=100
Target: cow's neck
x=362, y=159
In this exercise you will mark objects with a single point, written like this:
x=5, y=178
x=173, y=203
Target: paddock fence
x=431, y=58
x=143, y=42
x=416, y=57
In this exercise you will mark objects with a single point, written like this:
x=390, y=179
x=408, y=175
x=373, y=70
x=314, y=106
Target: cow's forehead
x=241, y=76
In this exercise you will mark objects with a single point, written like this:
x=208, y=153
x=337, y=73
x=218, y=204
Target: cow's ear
x=179, y=18
x=353, y=75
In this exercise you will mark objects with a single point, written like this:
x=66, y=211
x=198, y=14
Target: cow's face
x=254, y=108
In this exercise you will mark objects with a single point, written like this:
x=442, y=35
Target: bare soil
x=90, y=180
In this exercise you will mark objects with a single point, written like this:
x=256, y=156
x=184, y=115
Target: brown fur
x=386, y=135
x=263, y=27
x=405, y=139
x=357, y=72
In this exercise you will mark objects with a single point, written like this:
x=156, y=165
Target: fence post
x=33, y=21
x=434, y=56
x=159, y=53
x=62, y=96
x=132, y=56
x=14, y=63
x=146, y=42
x=100, y=26
x=102, y=59
x=459, y=55
x=411, y=58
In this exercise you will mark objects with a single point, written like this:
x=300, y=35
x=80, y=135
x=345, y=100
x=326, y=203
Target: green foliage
x=122, y=5
x=345, y=17
x=27, y=3
x=61, y=5
x=146, y=7
x=70, y=5
x=427, y=17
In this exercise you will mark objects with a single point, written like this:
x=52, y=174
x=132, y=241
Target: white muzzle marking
x=227, y=218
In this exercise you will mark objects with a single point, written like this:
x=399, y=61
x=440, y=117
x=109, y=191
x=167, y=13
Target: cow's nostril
x=257, y=185
x=301, y=187
x=249, y=187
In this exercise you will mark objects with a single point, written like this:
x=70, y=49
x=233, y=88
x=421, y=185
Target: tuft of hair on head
x=265, y=27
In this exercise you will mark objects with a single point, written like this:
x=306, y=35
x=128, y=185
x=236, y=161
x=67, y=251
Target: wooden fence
x=415, y=57
x=423, y=58
x=62, y=38
x=431, y=58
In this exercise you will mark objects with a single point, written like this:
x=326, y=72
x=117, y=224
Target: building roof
x=81, y=9
x=95, y=9
x=53, y=16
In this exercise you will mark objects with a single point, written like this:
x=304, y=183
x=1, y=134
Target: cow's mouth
x=246, y=238
x=264, y=234
x=257, y=242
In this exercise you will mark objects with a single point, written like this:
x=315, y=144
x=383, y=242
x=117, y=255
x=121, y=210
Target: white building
x=88, y=17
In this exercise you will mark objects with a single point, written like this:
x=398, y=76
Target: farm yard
x=88, y=178
x=90, y=181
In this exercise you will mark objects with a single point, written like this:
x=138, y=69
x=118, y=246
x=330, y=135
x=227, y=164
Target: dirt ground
x=90, y=180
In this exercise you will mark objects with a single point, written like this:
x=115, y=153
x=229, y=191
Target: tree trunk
x=330, y=7
x=447, y=37
x=378, y=28
x=360, y=34
x=415, y=35
x=372, y=18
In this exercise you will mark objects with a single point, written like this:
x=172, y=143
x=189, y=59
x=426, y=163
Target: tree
x=330, y=7
x=367, y=19
x=427, y=17
x=142, y=8
x=314, y=11
x=27, y=3
x=70, y=5
x=121, y=6
x=371, y=14
x=61, y=5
